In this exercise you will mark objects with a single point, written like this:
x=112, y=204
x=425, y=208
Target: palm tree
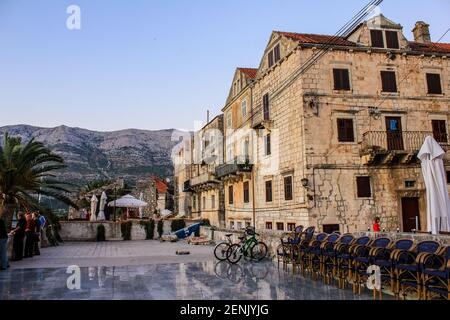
x=26, y=171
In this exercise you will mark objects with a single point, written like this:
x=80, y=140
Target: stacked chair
x=422, y=268
x=436, y=274
x=409, y=267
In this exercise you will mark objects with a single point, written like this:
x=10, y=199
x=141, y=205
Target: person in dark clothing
x=30, y=233
x=19, y=235
x=37, y=234
x=3, y=246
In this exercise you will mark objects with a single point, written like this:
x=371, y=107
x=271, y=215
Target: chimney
x=422, y=32
x=207, y=116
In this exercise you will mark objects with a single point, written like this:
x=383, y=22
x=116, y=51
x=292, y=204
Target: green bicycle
x=249, y=246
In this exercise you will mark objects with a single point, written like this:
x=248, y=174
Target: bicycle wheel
x=259, y=251
x=220, y=251
x=234, y=253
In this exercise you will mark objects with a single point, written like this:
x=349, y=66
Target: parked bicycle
x=220, y=251
x=248, y=247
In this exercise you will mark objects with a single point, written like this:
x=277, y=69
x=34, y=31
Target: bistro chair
x=436, y=275
x=310, y=250
x=298, y=250
x=385, y=257
x=345, y=258
x=408, y=267
x=330, y=252
x=285, y=252
x=363, y=259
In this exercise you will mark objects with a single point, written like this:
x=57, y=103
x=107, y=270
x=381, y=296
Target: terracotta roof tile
x=430, y=47
x=249, y=72
x=161, y=186
x=317, y=38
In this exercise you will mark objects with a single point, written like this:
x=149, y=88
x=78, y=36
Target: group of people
x=26, y=236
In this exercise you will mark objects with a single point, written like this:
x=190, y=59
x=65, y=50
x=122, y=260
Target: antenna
x=207, y=116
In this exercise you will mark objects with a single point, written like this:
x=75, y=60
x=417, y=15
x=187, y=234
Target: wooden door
x=410, y=212
x=394, y=133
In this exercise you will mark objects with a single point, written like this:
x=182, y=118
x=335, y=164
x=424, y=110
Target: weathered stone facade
x=343, y=133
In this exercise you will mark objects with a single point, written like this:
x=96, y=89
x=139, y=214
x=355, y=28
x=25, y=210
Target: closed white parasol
x=101, y=214
x=94, y=202
x=438, y=204
x=128, y=201
x=141, y=209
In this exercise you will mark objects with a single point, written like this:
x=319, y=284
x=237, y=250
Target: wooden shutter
x=276, y=53
x=434, y=83
x=268, y=191
x=341, y=79
x=246, y=192
x=230, y=195
x=440, y=130
x=388, y=81
x=392, y=40
x=270, y=58
x=266, y=109
x=288, y=188
x=377, y=38
x=363, y=186
x=345, y=130
x=268, y=146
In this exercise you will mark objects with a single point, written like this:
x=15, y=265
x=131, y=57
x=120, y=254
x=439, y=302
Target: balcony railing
x=238, y=166
x=408, y=141
x=204, y=178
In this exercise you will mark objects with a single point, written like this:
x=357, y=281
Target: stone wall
x=87, y=231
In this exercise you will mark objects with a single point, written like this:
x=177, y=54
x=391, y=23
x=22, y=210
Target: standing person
x=376, y=225
x=30, y=230
x=18, y=236
x=3, y=246
x=37, y=233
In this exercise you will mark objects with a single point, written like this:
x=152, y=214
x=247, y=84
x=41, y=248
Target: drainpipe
x=253, y=196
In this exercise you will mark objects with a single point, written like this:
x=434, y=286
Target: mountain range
x=130, y=154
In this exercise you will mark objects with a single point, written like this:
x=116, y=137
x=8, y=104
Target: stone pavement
x=114, y=253
x=151, y=270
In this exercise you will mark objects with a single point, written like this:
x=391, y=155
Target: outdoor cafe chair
x=385, y=257
x=310, y=249
x=363, y=259
x=436, y=274
x=408, y=267
x=330, y=252
x=345, y=257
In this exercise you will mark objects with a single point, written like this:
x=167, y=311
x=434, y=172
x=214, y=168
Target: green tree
x=27, y=170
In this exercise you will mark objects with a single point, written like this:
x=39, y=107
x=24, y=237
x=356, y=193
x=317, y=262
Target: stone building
x=182, y=160
x=239, y=140
x=207, y=196
x=349, y=128
x=338, y=122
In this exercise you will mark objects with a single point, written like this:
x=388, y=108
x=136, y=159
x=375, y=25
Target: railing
x=260, y=116
x=410, y=141
x=238, y=166
x=202, y=179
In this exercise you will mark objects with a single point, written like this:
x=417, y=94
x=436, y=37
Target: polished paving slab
x=182, y=281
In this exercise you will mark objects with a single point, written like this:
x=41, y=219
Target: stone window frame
x=388, y=68
x=436, y=116
x=345, y=115
x=341, y=65
x=244, y=111
x=355, y=184
x=434, y=70
x=287, y=175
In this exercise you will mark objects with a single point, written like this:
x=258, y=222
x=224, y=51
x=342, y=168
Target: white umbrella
x=101, y=214
x=94, y=202
x=438, y=204
x=128, y=201
x=141, y=209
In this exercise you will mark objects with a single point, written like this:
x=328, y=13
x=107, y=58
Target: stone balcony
x=261, y=120
x=202, y=179
x=234, y=169
x=390, y=148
